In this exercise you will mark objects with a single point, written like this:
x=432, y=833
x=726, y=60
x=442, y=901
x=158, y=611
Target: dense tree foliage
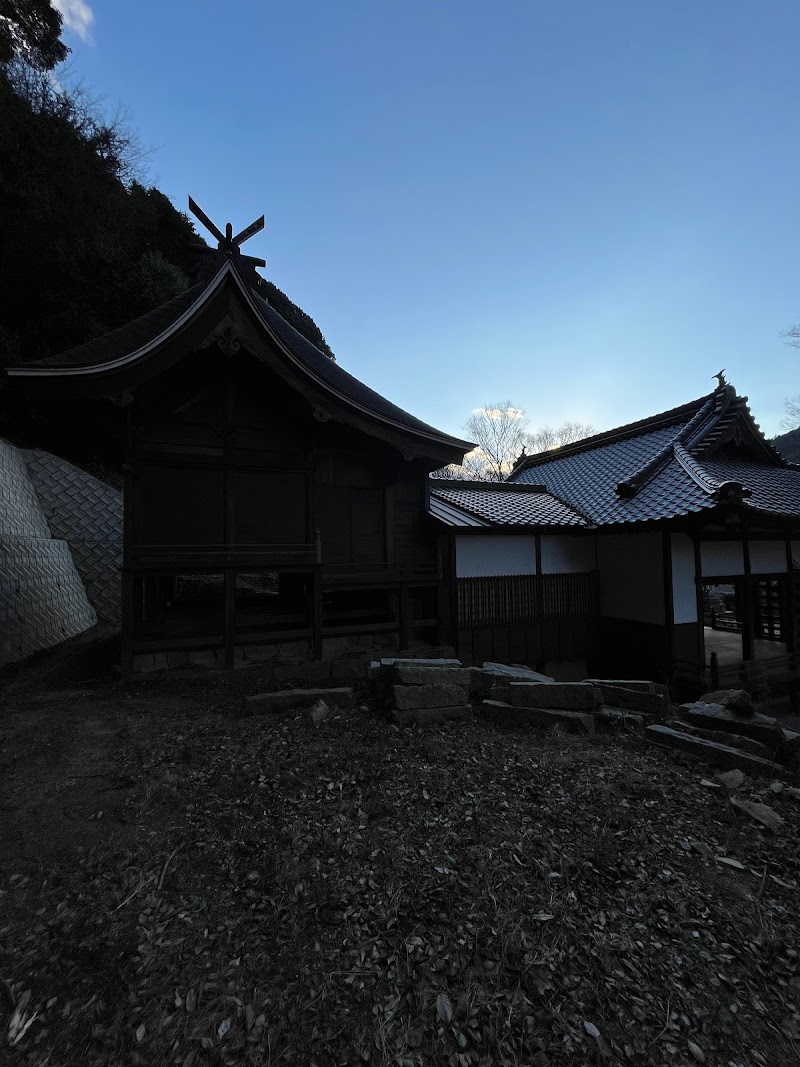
x=84, y=246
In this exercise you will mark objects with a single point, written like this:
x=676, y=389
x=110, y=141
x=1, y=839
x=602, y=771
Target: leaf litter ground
x=182, y=886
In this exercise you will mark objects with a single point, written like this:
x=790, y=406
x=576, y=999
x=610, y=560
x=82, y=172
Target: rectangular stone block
x=615, y=717
x=646, y=703
x=515, y=672
x=294, y=649
x=408, y=697
x=350, y=668
x=726, y=756
x=261, y=653
x=576, y=696
x=292, y=699
x=430, y=715
x=508, y=715
x=413, y=674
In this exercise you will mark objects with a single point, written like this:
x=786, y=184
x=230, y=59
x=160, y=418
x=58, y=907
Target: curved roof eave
x=228, y=271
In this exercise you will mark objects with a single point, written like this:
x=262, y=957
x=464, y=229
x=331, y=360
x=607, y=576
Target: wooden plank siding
x=530, y=618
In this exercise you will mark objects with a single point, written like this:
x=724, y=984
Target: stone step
x=721, y=755
x=441, y=695
x=509, y=715
x=291, y=699
x=573, y=696
x=744, y=744
x=422, y=716
x=633, y=700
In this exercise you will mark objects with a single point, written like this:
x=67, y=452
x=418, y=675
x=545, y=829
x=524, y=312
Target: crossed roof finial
x=227, y=242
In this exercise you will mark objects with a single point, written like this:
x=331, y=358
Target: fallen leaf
x=444, y=1008
x=590, y=1029
x=697, y=1052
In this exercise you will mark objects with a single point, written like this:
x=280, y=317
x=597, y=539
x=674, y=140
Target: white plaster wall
x=684, y=590
x=721, y=558
x=483, y=555
x=567, y=555
x=768, y=557
x=631, y=576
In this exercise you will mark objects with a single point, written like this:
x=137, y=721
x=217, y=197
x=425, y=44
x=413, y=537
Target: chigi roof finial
x=720, y=376
x=228, y=243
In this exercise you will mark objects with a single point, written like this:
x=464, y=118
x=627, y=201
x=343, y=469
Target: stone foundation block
x=646, y=703
x=716, y=717
x=413, y=697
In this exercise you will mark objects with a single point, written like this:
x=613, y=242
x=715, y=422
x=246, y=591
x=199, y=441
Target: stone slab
x=634, y=700
x=638, y=685
x=515, y=672
x=442, y=695
x=720, y=755
x=412, y=674
x=736, y=700
x=509, y=715
x=568, y=696
x=716, y=717
x=390, y=661
x=429, y=715
x=291, y=699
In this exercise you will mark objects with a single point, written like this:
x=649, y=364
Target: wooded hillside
x=84, y=245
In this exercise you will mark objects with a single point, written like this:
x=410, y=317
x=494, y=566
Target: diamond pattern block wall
x=42, y=597
x=87, y=514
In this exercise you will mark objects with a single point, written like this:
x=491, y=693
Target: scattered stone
x=739, y=701
x=483, y=678
x=442, y=695
x=732, y=779
x=710, y=785
x=718, y=717
x=776, y=787
x=561, y=695
x=760, y=812
x=614, y=717
x=729, y=862
x=508, y=715
x=319, y=712
x=392, y=661
x=722, y=755
x=291, y=699
x=516, y=671
x=705, y=850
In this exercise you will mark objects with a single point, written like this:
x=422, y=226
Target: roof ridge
x=504, y=487
x=630, y=486
x=607, y=437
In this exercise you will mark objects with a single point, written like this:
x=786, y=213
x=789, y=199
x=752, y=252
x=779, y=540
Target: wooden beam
x=698, y=581
x=230, y=617
x=316, y=610
x=748, y=647
x=404, y=616
x=669, y=602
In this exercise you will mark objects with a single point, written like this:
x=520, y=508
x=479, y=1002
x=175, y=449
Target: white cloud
x=496, y=414
x=77, y=15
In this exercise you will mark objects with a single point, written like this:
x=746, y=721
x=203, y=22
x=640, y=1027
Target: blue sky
x=586, y=208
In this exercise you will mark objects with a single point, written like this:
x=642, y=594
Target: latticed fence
x=513, y=598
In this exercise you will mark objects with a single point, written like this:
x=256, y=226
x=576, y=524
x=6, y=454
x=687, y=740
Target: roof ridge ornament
x=227, y=243
x=720, y=376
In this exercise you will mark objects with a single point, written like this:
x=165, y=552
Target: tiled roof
x=124, y=339
x=128, y=339
x=677, y=463
x=462, y=503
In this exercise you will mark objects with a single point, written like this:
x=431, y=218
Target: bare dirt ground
x=182, y=886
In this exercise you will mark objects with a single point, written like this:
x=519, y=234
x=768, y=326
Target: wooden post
x=404, y=620
x=698, y=581
x=316, y=609
x=669, y=603
x=127, y=623
x=748, y=612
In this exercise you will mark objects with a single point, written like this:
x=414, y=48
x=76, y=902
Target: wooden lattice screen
x=526, y=598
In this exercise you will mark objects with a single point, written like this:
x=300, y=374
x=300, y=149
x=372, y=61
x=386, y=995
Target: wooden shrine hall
x=271, y=500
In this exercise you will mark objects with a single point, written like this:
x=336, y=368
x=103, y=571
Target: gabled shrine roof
x=464, y=503
x=677, y=463
x=138, y=340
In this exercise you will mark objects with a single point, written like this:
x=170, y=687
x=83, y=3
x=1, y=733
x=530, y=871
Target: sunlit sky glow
x=585, y=208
